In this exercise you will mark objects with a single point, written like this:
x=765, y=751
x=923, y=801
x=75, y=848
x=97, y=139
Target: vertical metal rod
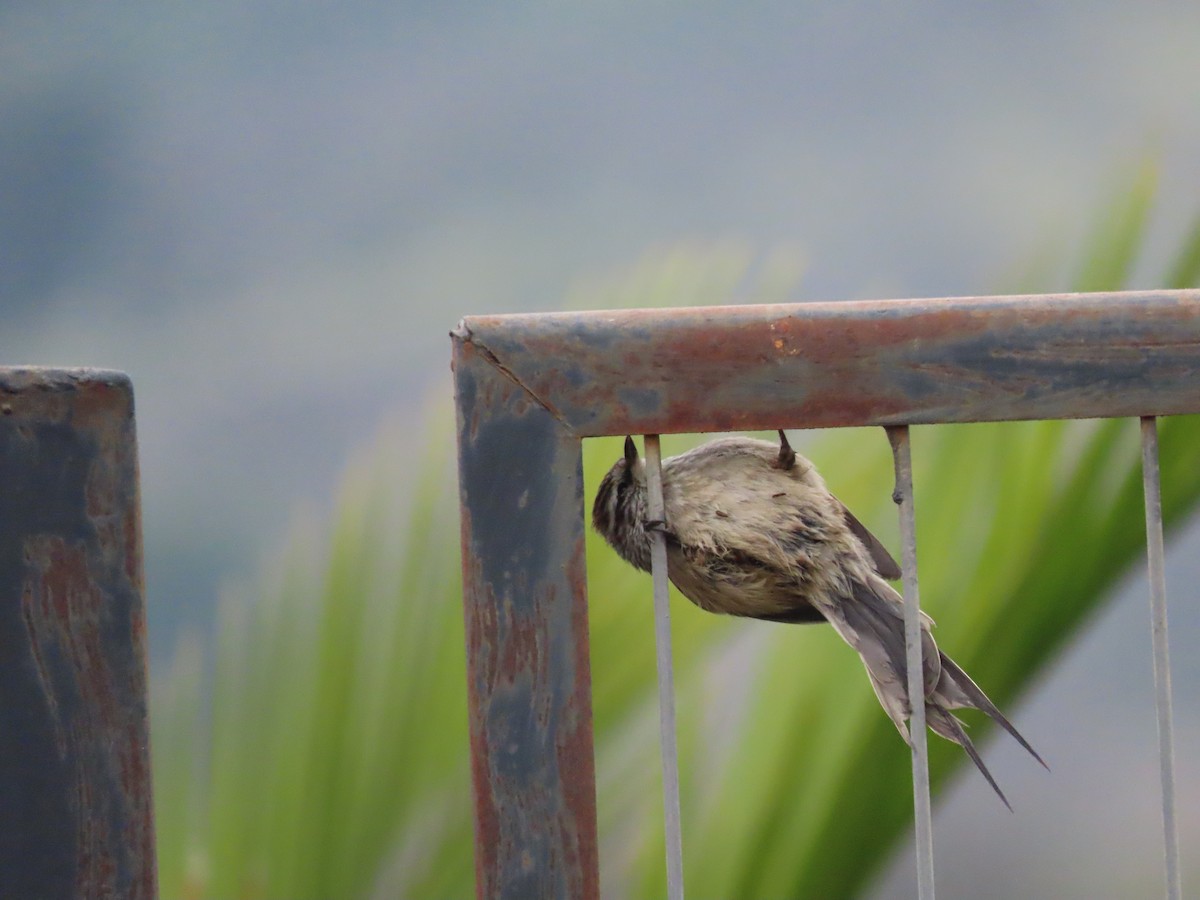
x=903, y=495
x=666, y=673
x=1162, y=665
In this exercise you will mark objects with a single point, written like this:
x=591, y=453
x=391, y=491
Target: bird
x=752, y=530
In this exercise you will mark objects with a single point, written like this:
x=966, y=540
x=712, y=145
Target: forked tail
x=873, y=624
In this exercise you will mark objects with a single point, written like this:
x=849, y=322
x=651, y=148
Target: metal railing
x=530, y=388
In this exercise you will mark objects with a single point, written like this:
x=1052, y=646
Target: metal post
x=76, y=818
x=902, y=456
x=666, y=675
x=1162, y=665
x=528, y=674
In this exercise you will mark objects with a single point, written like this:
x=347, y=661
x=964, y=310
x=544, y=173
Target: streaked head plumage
x=619, y=510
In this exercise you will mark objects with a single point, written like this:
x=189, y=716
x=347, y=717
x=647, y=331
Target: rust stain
x=132, y=544
x=514, y=380
x=480, y=627
x=574, y=744
x=530, y=719
x=89, y=399
x=66, y=612
x=97, y=405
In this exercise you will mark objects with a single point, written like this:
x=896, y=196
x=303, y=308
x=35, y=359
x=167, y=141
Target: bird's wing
x=757, y=525
x=885, y=564
x=768, y=514
x=737, y=509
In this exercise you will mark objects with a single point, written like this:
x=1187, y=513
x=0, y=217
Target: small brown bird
x=751, y=530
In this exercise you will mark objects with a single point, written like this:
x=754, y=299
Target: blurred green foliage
x=324, y=754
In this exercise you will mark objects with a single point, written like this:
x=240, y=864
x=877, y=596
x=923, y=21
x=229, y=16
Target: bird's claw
x=787, y=456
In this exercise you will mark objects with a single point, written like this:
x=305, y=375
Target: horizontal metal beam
x=819, y=365
x=75, y=811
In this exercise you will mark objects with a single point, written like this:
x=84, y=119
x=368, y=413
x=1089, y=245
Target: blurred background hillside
x=271, y=214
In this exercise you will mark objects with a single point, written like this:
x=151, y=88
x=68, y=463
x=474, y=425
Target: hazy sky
x=271, y=214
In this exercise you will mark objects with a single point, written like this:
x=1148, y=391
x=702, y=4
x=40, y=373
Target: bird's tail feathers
x=894, y=703
x=872, y=622
x=956, y=690
x=945, y=725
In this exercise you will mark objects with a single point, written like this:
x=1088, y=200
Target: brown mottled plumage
x=752, y=530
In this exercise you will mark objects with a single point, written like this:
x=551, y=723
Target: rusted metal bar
x=818, y=365
x=1162, y=664
x=75, y=804
x=902, y=456
x=673, y=826
x=525, y=601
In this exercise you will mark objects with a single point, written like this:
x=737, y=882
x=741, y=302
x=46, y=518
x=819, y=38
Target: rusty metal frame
x=530, y=387
x=75, y=810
